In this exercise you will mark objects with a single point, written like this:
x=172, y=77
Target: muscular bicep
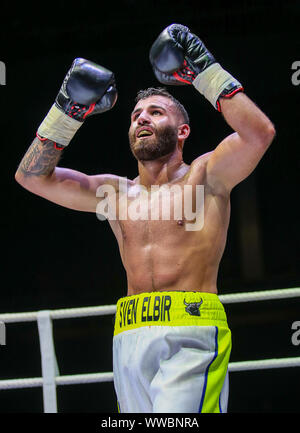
x=232, y=161
x=239, y=153
x=70, y=188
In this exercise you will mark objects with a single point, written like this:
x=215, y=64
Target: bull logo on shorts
x=193, y=308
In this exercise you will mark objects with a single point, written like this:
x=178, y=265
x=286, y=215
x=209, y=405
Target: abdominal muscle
x=163, y=269
x=163, y=256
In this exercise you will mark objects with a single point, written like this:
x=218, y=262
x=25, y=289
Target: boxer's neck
x=162, y=170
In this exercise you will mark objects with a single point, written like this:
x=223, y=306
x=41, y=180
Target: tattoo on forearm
x=40, y=159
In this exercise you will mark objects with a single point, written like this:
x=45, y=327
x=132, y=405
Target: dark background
x=57, y=258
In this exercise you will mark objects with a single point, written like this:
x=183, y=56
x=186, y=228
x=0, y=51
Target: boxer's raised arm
x=239, y=153
x=179, y=57
x=86, y=90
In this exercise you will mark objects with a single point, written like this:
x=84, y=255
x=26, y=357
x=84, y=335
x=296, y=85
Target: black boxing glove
x=179, y=57
x=86, y=90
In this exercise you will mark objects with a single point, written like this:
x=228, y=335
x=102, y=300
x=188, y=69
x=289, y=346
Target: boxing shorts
x=171, y=353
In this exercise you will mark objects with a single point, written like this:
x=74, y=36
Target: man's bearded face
x=153, y=130
x=161, y=142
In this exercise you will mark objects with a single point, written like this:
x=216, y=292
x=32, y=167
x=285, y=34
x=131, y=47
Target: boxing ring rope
x=50, y=374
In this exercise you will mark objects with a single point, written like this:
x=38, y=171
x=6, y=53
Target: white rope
x=261, y=295
x=59, y=380
x=84, y=378
x=32, y=382
x=64, y=313
x=108, y=377
x=263, y=364
x=68, y=313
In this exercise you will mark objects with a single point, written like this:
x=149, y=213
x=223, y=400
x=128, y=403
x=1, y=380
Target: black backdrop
x=58, y=258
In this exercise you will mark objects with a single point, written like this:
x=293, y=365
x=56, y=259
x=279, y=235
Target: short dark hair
x=161, y=91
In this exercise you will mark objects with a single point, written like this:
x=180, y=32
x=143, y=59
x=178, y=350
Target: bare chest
x=162, y=211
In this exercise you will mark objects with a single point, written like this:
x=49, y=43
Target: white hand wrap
x=58, y=127
x=212, y=81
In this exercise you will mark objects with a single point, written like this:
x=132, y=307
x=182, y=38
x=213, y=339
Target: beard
x=160, y=143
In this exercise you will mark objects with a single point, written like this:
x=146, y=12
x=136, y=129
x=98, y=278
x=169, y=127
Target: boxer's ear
x=183, y=131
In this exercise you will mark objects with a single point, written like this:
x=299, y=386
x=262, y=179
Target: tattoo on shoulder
x=40, y=159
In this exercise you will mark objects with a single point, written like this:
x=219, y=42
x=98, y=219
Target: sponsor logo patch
x=193, y=308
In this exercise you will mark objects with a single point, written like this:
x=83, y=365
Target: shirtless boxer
x=171, y=343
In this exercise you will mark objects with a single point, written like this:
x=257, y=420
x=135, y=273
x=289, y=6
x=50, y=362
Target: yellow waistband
x=169, y=309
